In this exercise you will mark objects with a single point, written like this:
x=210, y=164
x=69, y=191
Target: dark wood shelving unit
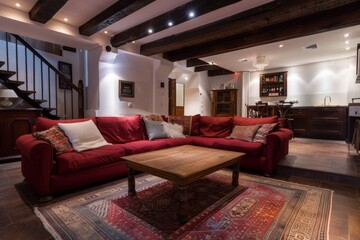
x=224, y=102
x=273, y=84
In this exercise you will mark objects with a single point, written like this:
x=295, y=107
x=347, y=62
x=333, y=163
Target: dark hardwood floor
x=320, y=163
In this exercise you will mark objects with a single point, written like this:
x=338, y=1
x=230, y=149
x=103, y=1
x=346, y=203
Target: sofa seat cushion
x=144, y=146
x=121, y=129
x=203, y=141
x=78, y=161
x=174, y=142
x=250, y=148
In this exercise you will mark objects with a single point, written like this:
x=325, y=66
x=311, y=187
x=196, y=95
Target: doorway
x=176, y=98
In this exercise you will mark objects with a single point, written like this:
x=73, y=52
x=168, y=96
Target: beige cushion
x=83, y=135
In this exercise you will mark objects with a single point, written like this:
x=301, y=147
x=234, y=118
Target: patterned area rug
x=260, y=208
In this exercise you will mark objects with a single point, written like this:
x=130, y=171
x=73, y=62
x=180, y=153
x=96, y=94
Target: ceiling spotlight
x=280, y=46
x=347, y=48
x=243, y=60
x=17, y=4
x=186, y=78
x=133, y=42
x=191, y=14
x=65, y=19
x=170, y=23
x=150, y=30
x=347, y=42
x=106, y=32
x=346, y=35
x=212, y=63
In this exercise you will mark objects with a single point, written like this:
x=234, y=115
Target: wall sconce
x=6, y=94
x=260, y=62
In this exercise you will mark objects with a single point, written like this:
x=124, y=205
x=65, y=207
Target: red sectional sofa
x=49, y=173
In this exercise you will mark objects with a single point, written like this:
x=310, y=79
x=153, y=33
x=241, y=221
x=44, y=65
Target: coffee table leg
x=235, y=175
x=183, y=204
x=131, y=182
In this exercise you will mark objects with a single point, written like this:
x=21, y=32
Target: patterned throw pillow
x=245, y=133
x=153, y=117
x=263, y=131
x=184, y=121
x=56, y=138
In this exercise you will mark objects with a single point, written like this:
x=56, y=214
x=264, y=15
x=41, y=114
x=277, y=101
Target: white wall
x=310, y=83
x=127, y=67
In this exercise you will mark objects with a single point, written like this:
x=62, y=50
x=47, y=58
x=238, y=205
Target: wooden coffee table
x=182, y=165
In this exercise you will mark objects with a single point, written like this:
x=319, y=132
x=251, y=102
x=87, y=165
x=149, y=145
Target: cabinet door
x=300, y=122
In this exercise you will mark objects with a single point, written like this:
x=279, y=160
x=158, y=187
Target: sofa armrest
x=36, y=162
x=277, y=147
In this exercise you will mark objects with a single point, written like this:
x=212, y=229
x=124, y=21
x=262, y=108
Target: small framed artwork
x=126, y=89
x=66, y=69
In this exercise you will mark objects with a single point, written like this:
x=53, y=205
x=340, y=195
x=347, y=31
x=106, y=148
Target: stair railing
x=36, y=90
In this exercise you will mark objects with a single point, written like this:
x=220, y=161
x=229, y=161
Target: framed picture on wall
x=66, y=69
x=126, y=89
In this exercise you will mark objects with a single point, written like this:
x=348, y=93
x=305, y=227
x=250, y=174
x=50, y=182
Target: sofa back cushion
x=121, y=129
x=195, y=125
x=215, y=126
x=242, y=121
x=45, y=123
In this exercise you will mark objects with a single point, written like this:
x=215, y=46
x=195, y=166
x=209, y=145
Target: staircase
x=36, y=80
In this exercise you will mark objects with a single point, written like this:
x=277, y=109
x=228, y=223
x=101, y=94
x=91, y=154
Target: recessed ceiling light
x=186, y=78
x=346, y=35
x=65, y=19
x=17, y=4
x=243, y=60
x=106, y=32
x=150, y=30
x=191, y=14
x=280, y=46
x=133, y=42
x=347, y=48
x=347, y=42
x=170, y=23
x=212, y=63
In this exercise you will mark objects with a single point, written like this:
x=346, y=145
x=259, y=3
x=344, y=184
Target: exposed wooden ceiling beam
x=193, y=62
x=263, y=17
x=176, y=16
x=206, y=68
x=44, y=10
x=219, y=72
x=112, y=14
x=332, y=19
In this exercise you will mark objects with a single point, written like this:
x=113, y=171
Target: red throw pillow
x=242, y=121
x=57, y=139
x=215, y=126
x=245, y=133
x=263, y=131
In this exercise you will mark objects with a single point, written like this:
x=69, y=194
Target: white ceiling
x=331, y=44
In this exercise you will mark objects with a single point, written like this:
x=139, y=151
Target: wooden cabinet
x=273, y=84
x=320, y=122
x=224, y=102
x=13, y=124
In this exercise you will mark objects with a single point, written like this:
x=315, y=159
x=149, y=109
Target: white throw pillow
x=173, y=130
x=83, y=135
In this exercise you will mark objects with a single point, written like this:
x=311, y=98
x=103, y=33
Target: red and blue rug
x=260, y=208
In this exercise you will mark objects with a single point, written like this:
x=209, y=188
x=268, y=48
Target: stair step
x=39, y=100
x=28, y=92
x=2, y=63
x=49, y=109
x=14, y=83
x=6, y=74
